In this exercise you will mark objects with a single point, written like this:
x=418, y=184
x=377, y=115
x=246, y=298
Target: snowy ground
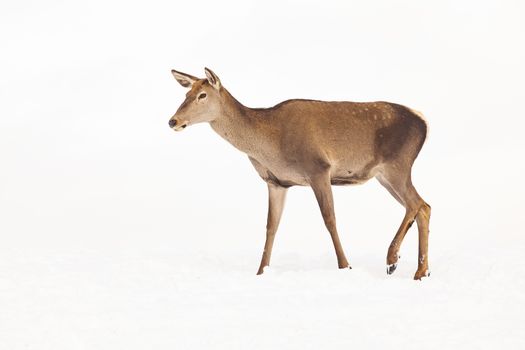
x=89, y=300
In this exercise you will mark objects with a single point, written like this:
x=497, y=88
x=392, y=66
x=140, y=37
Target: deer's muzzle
x=176, y=125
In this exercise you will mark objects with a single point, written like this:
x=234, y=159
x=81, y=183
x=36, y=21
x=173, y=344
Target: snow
x=95, y=301
x=117, y=233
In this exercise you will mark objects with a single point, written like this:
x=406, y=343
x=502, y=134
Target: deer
x=318, y=144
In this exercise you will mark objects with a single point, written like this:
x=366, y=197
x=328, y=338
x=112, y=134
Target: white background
x=115, y=232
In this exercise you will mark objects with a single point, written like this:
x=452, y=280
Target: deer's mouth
x=181, y=126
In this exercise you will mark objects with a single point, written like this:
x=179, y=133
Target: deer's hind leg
x=399, y=184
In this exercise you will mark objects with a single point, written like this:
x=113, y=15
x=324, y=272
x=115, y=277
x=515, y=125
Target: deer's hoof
x=391, y=268
x=260, y=271
x=420, y=274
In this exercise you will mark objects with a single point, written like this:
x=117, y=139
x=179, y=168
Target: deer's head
x=202, y=103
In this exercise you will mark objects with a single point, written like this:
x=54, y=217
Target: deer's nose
x=172, y=123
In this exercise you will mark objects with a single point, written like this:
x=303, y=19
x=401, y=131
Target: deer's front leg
x=276, y=198
x=323, y=192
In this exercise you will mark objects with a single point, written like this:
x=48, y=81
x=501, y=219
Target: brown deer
x=318, y=144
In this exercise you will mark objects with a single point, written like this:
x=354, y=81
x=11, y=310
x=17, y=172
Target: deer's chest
x=279, y=172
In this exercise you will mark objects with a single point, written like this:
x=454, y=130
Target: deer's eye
x=201, y=96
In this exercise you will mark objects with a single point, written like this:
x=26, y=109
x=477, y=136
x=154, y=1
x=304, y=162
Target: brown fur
x=319, y=144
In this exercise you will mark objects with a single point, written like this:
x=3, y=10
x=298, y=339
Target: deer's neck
x=245, y=128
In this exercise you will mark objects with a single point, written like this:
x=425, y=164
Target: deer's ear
x=213, y=79
x=184, y=79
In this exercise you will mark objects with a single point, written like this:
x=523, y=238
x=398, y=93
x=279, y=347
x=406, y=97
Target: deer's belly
x=285, y=173
x=350, y=178
x=288, y=175
x=288, y=179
